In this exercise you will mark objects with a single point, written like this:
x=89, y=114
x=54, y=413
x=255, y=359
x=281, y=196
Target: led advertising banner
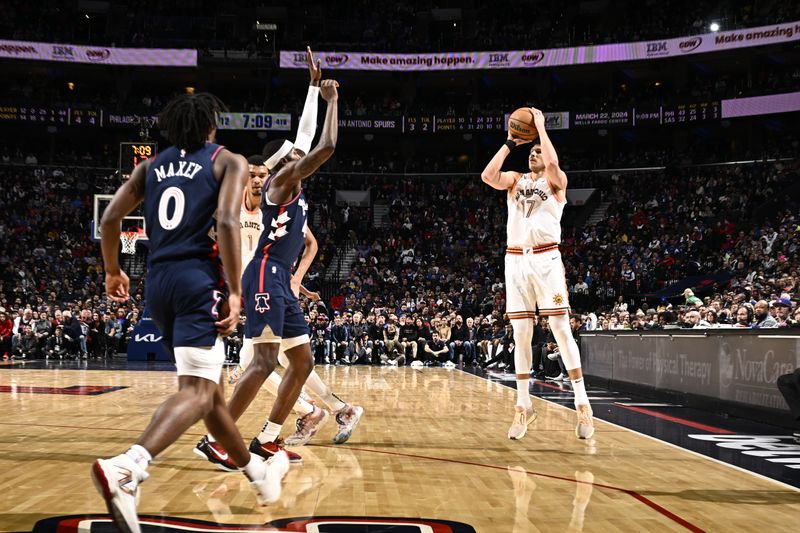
x=101, y=55
x=580, y=55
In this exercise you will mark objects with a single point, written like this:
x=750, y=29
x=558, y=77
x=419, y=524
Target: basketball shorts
x=273, y=312
x=535, y=282
x=183, y=298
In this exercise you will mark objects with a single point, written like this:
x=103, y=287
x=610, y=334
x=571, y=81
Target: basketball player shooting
x=182, y=188
x=534, y=272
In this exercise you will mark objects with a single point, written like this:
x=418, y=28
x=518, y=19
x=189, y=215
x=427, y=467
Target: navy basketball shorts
x=273, y=312
x=183, y=298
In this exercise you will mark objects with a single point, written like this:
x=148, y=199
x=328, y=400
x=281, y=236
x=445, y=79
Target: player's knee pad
x=246, y=353
x=201, y=361
x=559, y=325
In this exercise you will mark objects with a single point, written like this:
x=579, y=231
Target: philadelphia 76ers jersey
x=180, y=197
x=284, y=228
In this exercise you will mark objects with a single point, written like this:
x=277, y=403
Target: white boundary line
x=739, y=468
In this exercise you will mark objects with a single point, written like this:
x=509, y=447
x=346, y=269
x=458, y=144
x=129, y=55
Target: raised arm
x=492, y=174
x=234, y=171
x=555, y=176
x=124, y=201
x=307, y=126
x=295, y=171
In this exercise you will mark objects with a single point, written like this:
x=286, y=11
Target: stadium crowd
x=437, y=264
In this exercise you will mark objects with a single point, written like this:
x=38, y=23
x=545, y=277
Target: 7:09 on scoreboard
x=131, y=154
x=255, y=121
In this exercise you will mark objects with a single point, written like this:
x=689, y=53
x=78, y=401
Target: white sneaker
x=307, y=426
x=522, y=419
x=585, y=427
x=566, y=379
x=556, y=378
x=449, y=365
x=347, y=419
x=235, y=374
x=117, y=480
x=268, y=488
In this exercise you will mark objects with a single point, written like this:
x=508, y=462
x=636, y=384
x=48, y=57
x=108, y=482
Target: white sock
x=270, y=432
x=255, y=468
x=140, y=456
x=580, y=392
x=211, y=438
x=523, y=396
x=315, y=383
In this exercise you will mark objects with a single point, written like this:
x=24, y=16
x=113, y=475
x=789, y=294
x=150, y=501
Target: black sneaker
x=215, y=454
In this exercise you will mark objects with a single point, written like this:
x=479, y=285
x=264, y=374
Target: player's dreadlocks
x=189, y=118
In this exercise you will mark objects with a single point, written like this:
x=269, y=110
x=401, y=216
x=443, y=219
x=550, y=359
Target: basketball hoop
x=128, y=239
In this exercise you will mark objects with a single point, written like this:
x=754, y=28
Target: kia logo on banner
x=657, y=49
x=690, y=44
x=99, y=54
x=532, y=58
x=336, y=60
x=147, y=337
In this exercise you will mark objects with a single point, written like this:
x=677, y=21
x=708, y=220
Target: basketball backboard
x=133, y=222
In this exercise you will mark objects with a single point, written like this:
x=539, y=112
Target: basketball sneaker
x=347, y=419
x=522, y=419
x=268, y=449
x=117, y=480
x=235, y=374
x=307, y=426
x=268, y=487
x=215, y=454
x=585, y=427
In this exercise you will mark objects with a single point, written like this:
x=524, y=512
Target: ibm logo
x=498, y=59
x=62, y=51
x=657, y=48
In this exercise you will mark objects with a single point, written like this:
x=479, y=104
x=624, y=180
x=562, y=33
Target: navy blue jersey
x=180, y=198
x=284, y=230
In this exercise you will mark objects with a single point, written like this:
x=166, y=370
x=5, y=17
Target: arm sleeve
x=308, y=121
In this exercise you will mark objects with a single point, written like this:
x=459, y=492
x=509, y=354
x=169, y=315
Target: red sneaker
x=214, y=453
x=268, y=449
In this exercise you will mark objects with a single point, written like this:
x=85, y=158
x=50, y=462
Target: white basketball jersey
x=534, y=213
x=251, y=231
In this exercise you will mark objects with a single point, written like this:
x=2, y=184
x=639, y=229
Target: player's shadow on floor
x=753, y=497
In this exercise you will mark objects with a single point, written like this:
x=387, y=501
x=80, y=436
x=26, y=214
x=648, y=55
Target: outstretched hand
x=314, y=68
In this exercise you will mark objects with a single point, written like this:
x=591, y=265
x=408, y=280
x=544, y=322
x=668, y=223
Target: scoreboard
x=133, y=153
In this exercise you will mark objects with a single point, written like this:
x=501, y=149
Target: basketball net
x=128, y=239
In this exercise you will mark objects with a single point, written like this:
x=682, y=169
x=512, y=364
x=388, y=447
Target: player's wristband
x=510, y=144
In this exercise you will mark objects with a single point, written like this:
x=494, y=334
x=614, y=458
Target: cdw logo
x=147, y=337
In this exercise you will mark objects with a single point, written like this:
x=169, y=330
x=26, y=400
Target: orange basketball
x=521, y=126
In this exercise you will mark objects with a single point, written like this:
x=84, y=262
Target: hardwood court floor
x=432, y=444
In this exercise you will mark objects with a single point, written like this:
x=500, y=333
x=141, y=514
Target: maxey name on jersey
x=186, y=169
